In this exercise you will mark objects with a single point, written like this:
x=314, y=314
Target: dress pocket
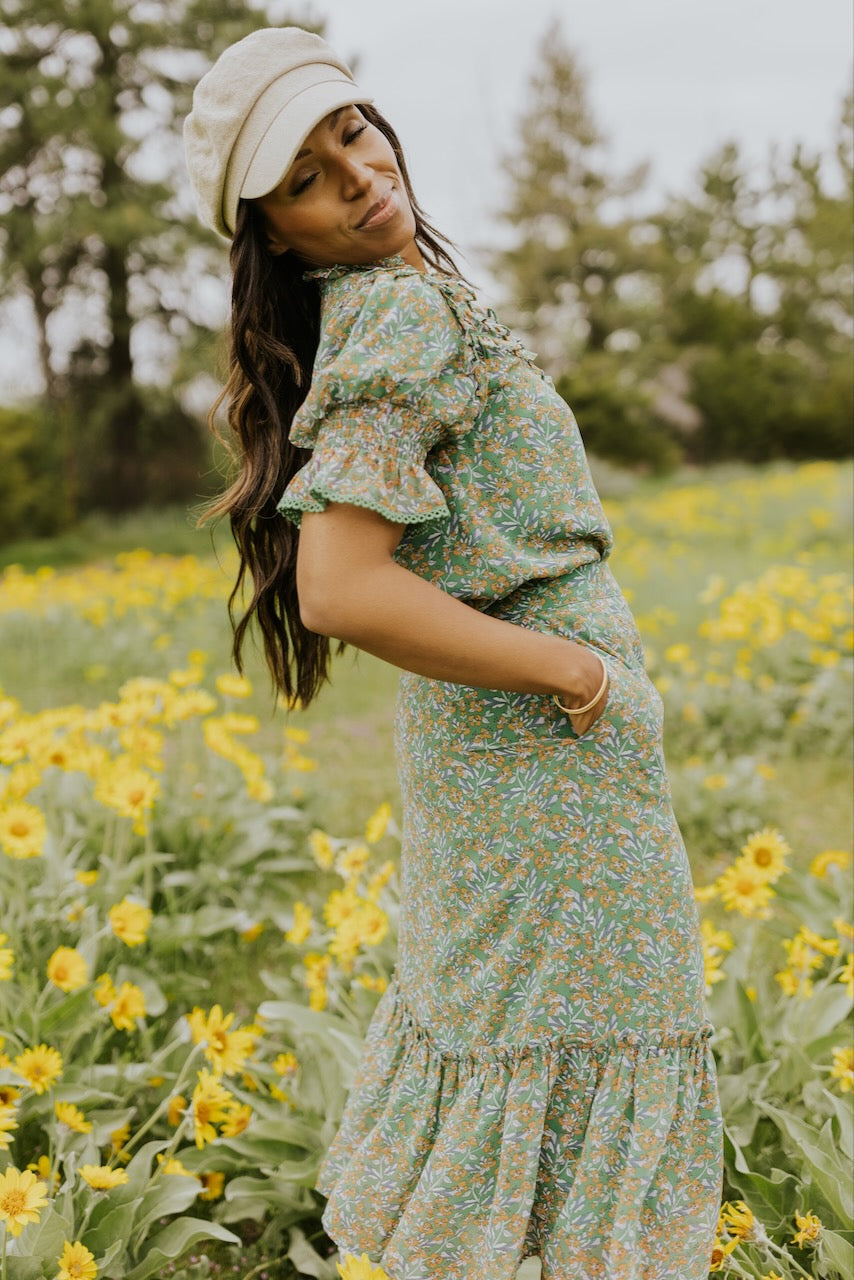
x=633, y=707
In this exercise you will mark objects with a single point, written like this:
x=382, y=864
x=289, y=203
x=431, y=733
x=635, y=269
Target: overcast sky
x=668, y=80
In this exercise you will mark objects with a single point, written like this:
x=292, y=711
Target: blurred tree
x=758, y=302
x=583, y=274
x=716, y=326
x=97, y=228
x=569, y=254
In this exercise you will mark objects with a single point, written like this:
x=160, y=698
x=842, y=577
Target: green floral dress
x=537, y=1078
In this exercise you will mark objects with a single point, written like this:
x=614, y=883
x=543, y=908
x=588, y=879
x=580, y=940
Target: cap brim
x=286, y=133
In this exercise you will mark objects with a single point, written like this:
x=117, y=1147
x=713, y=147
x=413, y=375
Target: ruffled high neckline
x=395, y=260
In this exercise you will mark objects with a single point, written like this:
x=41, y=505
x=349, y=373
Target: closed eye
x=347, y=139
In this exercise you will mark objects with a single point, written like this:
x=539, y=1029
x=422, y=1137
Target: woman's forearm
x=396, y=615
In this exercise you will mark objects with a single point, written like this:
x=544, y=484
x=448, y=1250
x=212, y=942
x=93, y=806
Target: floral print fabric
x=538, y=1076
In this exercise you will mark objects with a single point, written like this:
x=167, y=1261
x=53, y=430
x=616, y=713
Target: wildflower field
x=200, y=891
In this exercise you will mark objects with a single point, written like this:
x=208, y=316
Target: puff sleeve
x=392, y=381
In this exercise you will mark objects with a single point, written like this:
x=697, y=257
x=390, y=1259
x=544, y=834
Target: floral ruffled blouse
x=426, y=409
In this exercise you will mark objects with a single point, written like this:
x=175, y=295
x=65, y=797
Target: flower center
x=13, y=1202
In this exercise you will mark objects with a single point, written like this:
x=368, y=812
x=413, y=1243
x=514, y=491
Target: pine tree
x=96, y=223
x=570, y=251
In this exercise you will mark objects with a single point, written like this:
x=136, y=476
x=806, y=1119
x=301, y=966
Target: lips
x=380, y=211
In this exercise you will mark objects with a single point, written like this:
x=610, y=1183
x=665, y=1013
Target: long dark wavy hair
x=273, y=337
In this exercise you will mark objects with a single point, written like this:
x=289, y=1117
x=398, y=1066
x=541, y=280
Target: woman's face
x=343, y=200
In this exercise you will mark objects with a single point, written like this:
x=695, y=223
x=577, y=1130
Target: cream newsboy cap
x=253, y=109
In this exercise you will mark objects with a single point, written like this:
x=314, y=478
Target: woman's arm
x=350, y=588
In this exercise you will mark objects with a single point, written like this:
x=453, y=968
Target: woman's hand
x=588, y=680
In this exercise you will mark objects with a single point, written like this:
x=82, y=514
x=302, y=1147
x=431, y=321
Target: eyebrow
x=333, y=120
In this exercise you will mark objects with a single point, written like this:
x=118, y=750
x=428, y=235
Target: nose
x=355, y=175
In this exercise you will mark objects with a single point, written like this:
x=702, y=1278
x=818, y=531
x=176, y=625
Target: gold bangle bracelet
x=574, y=711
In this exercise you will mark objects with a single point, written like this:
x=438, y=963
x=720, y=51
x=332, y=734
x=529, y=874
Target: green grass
x=46, y=663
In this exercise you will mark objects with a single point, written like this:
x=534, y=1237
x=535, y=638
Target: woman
x=537, y=1078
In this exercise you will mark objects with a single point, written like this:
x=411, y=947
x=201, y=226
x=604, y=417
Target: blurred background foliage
x=716, y=327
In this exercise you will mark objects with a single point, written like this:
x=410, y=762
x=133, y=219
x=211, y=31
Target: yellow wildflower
x=128, y=1005
x=715, y=781
x=41, y=1168
x=371, y=983
x=766, y=851
x=144, y=745
x=254, y=931
x=794, y=984
x=184, y=678
x=843, y=1067
x=86, y=878
x=380, y=879
x=745, y=889
x=351, y=861
x=829, y=858
x=67, y=969
x=22, y=1198
x=300, y=736
x=846, y=975
x=118, y=1138
x=720, y=1252
x=23, y=830
x=101, y=1177
x=8, y=1124
x=7, y=959
x=225, y=1050
x=340, y=904
x=809, y=1227
x=127, y=789
x=321, y=848
x=827, y=946
x=738, y=1219
x=233, y=686
x=211, y=1103
x=22, y=779
x=213, y=1183
x=285, y=1064
x=129, y=921
x=360, y=1269
x=239, y=1115
x=377, y=824
x=69, y=1114
x=40, y=1066
x=105, y=992
x=301, y=927
x=177, y=1107
x=173, y=1167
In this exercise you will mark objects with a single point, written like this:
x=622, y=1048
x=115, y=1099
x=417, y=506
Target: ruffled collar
x=480, y=324
x=393, y=262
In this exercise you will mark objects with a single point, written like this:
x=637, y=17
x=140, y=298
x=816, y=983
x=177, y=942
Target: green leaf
x=833, y=1248
x=306, y=1259
x=171, y=1193
x=42, y=1239
x=747, y=1029
x=24, y=1268
x=113, y=1222
x=173, y=1240
x=73, y=1011
x=816, y=1151
x=842, y=1111
x=777, y=1193
x=816, y=1017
